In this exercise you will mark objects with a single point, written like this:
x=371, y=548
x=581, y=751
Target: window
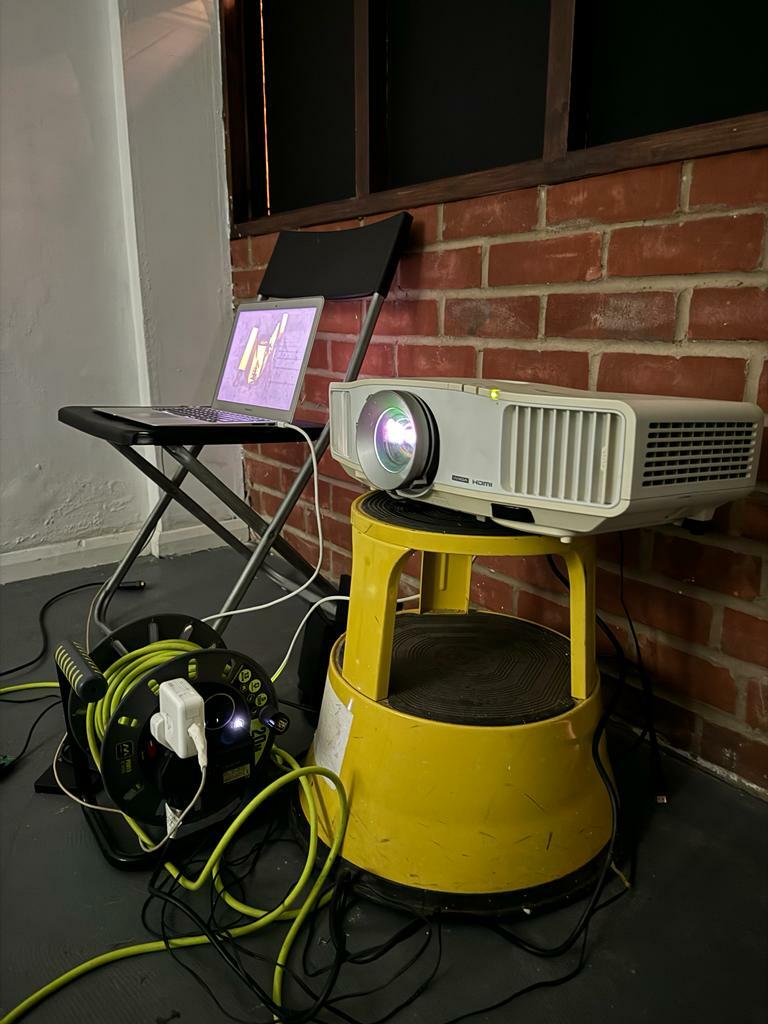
x=339, y=108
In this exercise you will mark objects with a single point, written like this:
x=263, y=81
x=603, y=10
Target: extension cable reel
x=142, y=777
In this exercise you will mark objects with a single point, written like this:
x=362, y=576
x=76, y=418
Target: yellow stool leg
x=376, y=570
x=580, y=561
x=445, y=580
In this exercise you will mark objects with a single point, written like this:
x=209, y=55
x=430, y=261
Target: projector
x=547, y=460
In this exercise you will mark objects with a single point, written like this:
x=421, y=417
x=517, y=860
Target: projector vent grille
x=687, y=452
x=570, y=455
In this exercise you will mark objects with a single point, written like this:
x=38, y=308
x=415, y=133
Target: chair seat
x=122, y=432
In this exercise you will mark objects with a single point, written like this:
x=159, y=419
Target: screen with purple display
x=265, y=356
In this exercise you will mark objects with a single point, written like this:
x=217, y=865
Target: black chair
x=351, y=264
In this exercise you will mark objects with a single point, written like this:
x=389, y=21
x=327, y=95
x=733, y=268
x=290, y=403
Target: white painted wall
x=66, y=320
x=114, y=265
x=173, y=89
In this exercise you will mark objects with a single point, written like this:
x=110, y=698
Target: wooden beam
x=557, y=105
x=745, y=132
x=362, y=99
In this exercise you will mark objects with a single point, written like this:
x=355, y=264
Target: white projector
x=542, y=459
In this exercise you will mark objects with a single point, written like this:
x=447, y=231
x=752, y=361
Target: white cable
x=116, y=810
x=63, y=788
x=170, y=834
x=197, y=734
x=323, y=600
x=318, y=519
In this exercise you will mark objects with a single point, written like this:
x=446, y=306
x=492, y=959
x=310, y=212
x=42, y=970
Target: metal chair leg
x=138, y=544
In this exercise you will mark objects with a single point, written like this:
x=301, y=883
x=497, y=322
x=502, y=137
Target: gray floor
x=688, y=943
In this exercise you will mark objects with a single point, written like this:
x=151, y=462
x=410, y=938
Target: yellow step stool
x=463, y=738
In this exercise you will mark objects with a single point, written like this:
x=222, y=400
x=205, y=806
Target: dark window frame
x=557, y=164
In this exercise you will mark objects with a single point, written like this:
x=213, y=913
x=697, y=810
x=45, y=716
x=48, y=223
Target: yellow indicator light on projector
x=494, y=394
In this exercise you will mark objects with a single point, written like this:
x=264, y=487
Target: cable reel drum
x=141, y=776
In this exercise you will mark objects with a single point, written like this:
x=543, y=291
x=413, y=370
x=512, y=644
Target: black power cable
x=8, y=764
x=126, y=585
x=657, y=768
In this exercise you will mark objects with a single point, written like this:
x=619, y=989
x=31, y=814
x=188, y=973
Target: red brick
x=263, y=474
x=341, y=564
x=435, y=361
x=546, y=613
x=341, y=317
x=557, y=616
x=687, y=377
x=639, y=316
x=408, y=316
x=561, y=258
x=315, y=390
x=704, y=565
x=268, y=505
x=308, y=494
x=450, y=268
x=330, y=467
x=531, y=569
x=754, y=518
x=424, y=227
x=757, y=704
x=291, y=454
x=693, y=247
x=246, y=283
x=609, y=547
x=671, y=612
x=337, y=533
x=735, y=179
x=240, y=253
x=343, y=496
x=626, y=195
x=743, y=755
x=689, y=675
x=745, y=637
x=304, y=545
x=261, y=249
x=379, y=359
x=318, y=357
x=491, y=215
x=567, y=369
x=729, y=313
x=492, y=593
x=516, y=317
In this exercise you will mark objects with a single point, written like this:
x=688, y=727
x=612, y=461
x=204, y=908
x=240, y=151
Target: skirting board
x=83, y=554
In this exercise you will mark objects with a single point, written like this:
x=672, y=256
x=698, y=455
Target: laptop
x=262, y=372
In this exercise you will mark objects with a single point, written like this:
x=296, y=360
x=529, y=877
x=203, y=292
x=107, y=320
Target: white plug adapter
x=179, y=725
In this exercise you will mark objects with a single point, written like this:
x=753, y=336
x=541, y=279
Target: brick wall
x=651, y=280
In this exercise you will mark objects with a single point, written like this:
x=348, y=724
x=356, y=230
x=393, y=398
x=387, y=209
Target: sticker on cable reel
x=124, y=757
x=333, y=731
x=242, y=771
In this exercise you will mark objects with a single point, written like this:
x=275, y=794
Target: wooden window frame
x=557, y=164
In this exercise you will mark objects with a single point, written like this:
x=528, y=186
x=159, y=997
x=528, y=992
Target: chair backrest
x=347, y=264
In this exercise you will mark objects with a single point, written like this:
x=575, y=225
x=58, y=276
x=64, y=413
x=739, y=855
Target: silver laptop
x=261, y=374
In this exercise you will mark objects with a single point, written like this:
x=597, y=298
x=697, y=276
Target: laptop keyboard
x=206, y=414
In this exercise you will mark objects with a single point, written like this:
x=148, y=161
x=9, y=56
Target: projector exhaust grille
x=570, y=455
x=687, y=452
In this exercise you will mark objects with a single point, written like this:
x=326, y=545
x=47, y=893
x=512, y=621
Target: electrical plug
x=179, y=725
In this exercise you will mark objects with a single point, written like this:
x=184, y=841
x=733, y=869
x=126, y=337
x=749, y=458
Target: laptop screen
x=266, y=356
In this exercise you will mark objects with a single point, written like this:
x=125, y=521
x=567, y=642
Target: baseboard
x=64, y=556
x=183, y=540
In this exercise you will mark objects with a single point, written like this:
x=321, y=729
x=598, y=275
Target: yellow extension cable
x=121, y=677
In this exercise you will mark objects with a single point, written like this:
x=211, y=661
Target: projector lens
x=395, y=440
